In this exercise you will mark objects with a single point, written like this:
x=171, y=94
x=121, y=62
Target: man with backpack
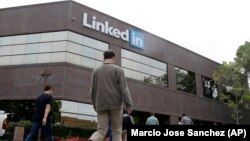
x=127, y=121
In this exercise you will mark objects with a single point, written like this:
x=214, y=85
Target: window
x=51, y=47
x=89, y=42
x=58, y=57
x=209, y=88
x=18, y=49
x=78, y=110
x=143, y=68
x=7, y=40
x=73, y=58
x=30, y=59
x=45, y=47
x=74, y=48
x=62, y=35
x=46, y=37
x=59, y=46
x=5, y=50
x=101, y=46
x=87, y=62
x=44, y=58
x=33, y=38
x=88, y=52
x=21, y=39
x=185, y=80
x=5, y=60
x=16, y=60
x=75, y=37
x=32, y=48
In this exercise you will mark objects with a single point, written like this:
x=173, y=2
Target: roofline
x=71, y=1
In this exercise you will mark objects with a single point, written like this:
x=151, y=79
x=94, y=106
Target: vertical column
x=199, y=90
x=171, y=77
x=174, y=120
x=220, y=89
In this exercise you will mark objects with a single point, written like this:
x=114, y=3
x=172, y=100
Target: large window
x=143, y=68
x=63, y=46
x=185, y=80
x=209, y=88
x=78, y=110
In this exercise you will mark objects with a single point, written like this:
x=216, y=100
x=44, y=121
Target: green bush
x=58, y=130
x=66, y=132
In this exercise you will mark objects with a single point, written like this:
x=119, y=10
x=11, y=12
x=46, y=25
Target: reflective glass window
x=44, y=58
x=89, y=42
x=76, y=38
x=17, y=60
x=143, y=68
x=74, y=48
x=45, y=47
x=18, y=49
x=59, y=46
x=209, y=88
x=20, y=39
x=102, y=46
x=32, y=48
x=53, y=47
x=46, y=37
x=87, y=62
x=88, y=52
x=5, y=50
x=136, y=75
x=99, y=55
x=185, y=80
x=126, y=63
x=58, y=57
x=73, y=58
x=30, y=59
x=6, y=60
x=33, y=38
x=128, y=72
x=7, y=40
x=62, y=35
x=126, y=54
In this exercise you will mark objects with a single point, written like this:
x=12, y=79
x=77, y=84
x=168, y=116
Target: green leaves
x=233, y=75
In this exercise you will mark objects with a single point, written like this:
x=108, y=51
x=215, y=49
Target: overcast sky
x=212, y=28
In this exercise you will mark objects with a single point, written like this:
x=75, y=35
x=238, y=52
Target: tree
x=243, y=59
x=24, y=109
x=243, y=56
x=185, y=81
x=159, y=80
x=233, y=76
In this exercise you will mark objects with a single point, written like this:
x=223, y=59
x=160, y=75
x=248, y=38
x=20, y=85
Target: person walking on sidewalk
x=41, y=116
x=109, y=93
x=152, y=120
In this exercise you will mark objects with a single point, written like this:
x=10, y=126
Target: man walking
x=152, y=120
x=185, y=120
x=109, y=93
x=41, y=115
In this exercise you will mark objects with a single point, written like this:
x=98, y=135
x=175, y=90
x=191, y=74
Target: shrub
x=61, y=132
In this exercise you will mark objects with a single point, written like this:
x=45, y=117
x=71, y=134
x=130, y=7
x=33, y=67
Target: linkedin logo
x=136, y=39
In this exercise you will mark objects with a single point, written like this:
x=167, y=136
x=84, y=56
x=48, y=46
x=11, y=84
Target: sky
x=211, y=28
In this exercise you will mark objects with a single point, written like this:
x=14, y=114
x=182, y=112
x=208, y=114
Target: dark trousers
x=35, y=126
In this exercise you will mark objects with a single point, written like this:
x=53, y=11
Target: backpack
x=126, y=122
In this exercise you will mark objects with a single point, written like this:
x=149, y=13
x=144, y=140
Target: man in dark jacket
x=41, y=115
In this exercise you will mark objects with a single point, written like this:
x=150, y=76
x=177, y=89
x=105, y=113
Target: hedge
x=59, y=131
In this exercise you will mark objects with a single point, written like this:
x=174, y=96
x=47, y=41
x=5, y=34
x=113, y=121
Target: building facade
x=61, y=43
